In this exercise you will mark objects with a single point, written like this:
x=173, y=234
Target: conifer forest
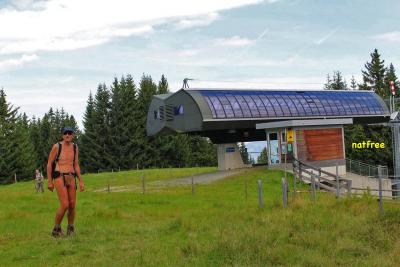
x=114, y=135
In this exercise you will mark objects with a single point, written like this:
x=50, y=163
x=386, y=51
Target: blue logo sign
x=230, y=150
x=178, y=110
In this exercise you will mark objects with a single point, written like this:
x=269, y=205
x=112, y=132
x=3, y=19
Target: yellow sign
x=290, y=135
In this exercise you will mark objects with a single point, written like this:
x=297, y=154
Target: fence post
x=98, y=171
x=380, y=189
x=300, y=175
x=15, y=178
x=319, y=178
x=337, y=181
x=119, y=168
x=108, y=186
x=260, y=196
x=193, y=186
x=137, y=166
x=294, y=179
x=112, y=170
x=143, y=185
x=284, y=192
x=350, y=164
x=349, y=186
x=313, y=193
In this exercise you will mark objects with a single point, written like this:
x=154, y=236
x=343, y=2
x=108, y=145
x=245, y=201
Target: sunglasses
x=68, y=133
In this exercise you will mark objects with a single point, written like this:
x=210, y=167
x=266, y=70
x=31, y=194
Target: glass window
x=226, y=106
x=235, y=106
x=260, y=105
x=276, y=106
x=268, y=106
x=218, y=107
x=248, y=104
x=284, y=105
x=210, y=105
x=252, y=106
x=243, y=105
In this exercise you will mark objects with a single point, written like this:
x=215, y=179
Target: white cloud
x=389, y=37
x=188, y=52
x=234, y=41
x=204, y=20
x=71, y=24
x=28, y=4
x=295, y=83
x=237, y=60
x=15, y=62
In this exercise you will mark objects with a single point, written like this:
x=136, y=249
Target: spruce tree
x=117, y=121
x=373, y=75
x=131, y=137
x=102, y=131
x=36, y=138
x=163, y=86
x=89, y=149
x=16, y=148
x=328, y=84
x=45, y=130
x=202, y=152
x=123, y=122
x=24, y=163
x=243, y=152
x=336, y=83
x=390, y=75
x=263, y=157
x=8, y=117
x=353, y=83
x=149, y=152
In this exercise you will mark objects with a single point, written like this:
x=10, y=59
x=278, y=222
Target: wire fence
x=305, y=181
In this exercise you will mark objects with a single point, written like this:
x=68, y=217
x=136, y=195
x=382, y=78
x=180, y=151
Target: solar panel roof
x=227, y=104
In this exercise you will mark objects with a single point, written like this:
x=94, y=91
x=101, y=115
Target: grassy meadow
x=217, y=226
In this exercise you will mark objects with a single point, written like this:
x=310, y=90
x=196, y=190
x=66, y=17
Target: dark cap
x=67, y=129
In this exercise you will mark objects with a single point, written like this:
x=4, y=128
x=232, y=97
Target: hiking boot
x=57, y=232
x=70, y=230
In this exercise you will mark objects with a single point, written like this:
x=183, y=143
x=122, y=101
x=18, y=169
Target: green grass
x=215, y=227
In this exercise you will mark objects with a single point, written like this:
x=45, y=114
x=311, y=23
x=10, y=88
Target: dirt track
x=205, y=178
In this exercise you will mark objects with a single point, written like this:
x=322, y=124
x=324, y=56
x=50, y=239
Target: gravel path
x=205, y=178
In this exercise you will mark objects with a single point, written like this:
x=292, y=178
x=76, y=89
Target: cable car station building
x=307, y=125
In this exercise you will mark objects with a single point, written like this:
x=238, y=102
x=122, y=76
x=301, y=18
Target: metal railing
x=364, y=169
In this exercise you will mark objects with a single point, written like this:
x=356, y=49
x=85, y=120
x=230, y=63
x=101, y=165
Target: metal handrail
x=363, y=169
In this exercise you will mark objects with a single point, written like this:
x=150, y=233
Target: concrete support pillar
x=229, y=157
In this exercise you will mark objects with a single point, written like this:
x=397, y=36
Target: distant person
x=39, y=181
x=62, y=171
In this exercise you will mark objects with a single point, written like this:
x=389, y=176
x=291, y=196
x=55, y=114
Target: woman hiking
x=62, y=171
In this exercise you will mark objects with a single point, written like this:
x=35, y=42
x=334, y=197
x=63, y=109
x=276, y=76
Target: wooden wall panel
x=319, y=144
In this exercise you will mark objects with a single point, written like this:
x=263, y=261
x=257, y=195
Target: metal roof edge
x=294, y=123
x=287, y=90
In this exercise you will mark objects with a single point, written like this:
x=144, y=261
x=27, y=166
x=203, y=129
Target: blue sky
x=54, y=52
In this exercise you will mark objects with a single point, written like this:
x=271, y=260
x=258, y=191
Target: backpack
x=54, y=173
